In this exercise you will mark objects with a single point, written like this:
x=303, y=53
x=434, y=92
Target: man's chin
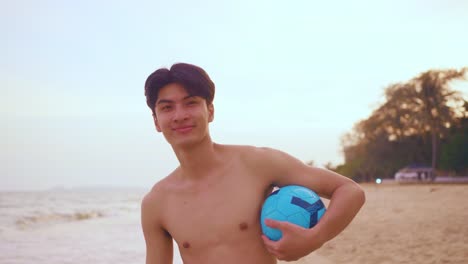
x=185, y=143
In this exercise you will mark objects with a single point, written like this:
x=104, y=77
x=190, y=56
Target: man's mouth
x=183, y=129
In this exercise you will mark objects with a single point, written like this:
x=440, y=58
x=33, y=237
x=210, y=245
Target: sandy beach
x=398, y=224
x=411, y=223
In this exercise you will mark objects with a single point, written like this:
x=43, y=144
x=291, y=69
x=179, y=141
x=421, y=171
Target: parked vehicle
x=415, y=173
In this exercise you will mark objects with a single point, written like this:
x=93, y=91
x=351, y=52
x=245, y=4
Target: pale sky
x=292, y=75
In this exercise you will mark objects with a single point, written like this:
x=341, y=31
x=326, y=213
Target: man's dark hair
x=193, y=78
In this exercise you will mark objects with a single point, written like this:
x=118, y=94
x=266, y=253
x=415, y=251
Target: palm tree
x=434, y=96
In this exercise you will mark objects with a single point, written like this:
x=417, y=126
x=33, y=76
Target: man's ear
x=156, y=124
x=210, y=112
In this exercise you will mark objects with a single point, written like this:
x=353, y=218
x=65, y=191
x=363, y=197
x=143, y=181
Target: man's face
x=183, y=119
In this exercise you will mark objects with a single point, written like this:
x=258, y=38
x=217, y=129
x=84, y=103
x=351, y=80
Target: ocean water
x=93, y=225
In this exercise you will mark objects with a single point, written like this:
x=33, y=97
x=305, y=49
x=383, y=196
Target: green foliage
x=454, y=154
x=408, y=128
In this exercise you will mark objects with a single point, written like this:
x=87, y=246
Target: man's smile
x=183, y=129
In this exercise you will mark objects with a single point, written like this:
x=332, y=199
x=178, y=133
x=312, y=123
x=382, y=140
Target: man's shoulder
x=254, y=155
x=159, y=189
x=247, y=150
x=254, y=152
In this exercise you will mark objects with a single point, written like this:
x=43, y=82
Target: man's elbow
x=359, y=194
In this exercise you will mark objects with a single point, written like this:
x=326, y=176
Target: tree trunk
x=434, y=149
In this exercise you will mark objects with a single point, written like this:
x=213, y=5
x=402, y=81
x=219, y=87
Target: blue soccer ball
x=292, y=203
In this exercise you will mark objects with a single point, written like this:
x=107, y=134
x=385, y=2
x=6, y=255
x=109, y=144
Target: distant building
x=415, y=173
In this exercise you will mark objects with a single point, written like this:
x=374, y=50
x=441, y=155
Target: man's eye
x=192, y=102
x=166, y=107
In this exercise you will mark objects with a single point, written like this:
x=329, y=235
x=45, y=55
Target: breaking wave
x=46, y=219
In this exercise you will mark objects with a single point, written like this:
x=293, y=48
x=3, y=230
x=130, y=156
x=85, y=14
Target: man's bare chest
x=221, y=213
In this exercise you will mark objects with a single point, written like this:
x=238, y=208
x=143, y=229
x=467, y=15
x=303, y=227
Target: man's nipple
x=186, y=244
x=243, y=226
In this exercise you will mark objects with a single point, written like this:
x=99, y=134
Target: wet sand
x=411, y=223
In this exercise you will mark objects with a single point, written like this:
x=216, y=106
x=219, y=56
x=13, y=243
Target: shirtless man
x=210, y=204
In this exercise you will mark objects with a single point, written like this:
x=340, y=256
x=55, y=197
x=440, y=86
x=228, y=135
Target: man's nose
x=180, y=114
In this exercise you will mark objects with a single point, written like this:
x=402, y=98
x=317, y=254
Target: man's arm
x=346, y=199
x=159, y=247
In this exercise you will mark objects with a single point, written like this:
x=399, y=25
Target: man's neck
x=196, y=160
